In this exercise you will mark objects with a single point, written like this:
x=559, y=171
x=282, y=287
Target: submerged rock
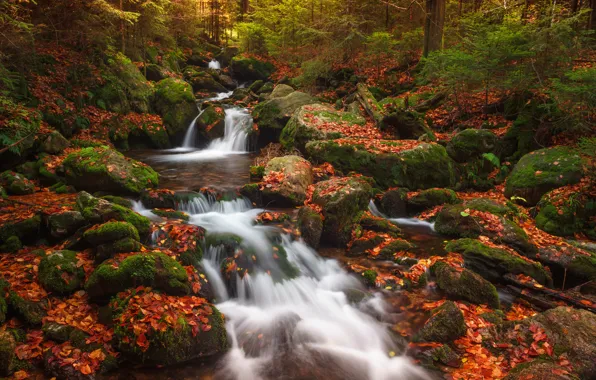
x=543, y=170
x=103, y=169
x=342, y=200
x=296, y=173
x=445, y=325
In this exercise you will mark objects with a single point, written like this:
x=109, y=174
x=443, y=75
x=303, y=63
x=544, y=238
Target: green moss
x=59, y=273
x=493, y=263
x=257, y=172
x=16, y=183
x=471, y=144
x=251, y=68
x=125, y=245
x=427, y=199
x=388, y=252
x=97, y=210
x=110, y=232
x=370, y=277
x=119, y=201
x=23, y=229
x=492, y=206
x=445, y=325
x=175, y=102
x=171, y=214
x=451, y=222
x=12, y=244
x=152, y=269
x=29, y=312
x=379, y=225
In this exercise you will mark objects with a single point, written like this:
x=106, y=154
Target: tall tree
x=433, y=26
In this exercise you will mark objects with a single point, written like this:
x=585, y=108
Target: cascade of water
x=191, y=134
x=214, y=64
x=372, y=207
x=277, y=325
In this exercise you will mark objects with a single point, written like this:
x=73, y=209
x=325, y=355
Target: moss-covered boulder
x=212, y=123
x=543, y=170
x=462, y=221
x=567, y=213
x=445, y=325
x=192, y=329
x=490, y=205
x=580, y=264
x=54, y=143
x=110, y=232
x=310, y=225
x=272, y=115
x=391, y=163
x=159, y=198
x=59, y=272
x=280, y=91
x=104, y=169
x=8, y=357
x=125, y=88
x=393, y=202
x=539, y=369
x=98, y=210
x=65, y=223
x=155, y=270
x=250, y=68
x=394, y=249
x=23, y=229
x=464, y=284
x=171, y=214
x=427, y=199
x=342, y=201
x=202, y=81
x=286, y=180
x=29, y=312
x=175, y=103
x=369, y=222
x=471, y=144
x=316, y=122
x=494, y=263
x=16, y=184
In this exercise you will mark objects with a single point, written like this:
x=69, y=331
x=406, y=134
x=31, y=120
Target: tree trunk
x=433, y=27
x=592, y=19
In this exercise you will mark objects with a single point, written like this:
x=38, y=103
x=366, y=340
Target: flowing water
x=214, y=64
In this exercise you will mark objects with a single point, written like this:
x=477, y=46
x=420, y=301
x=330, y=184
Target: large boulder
x=567, y=213
x=445, y=325
x=54, y=143
x=111, y=238
x=580, y=264
x=317, y=122
x=212, y=122
x=272, y=115
x=249, y=68
x=464, y=284
x=153, y=269
x=393, y=202
x=280, y=91
x=403, y=163
x=175, y=103
x=8, y=358
x=64, y=224
x=60, y=273
x=190, y=329
x=543, y=170
x=291, y=176
x=342, y=201
x=20, y=229
x=494, y=263
x=16, y=183
x=470, y=144
x=104, y=169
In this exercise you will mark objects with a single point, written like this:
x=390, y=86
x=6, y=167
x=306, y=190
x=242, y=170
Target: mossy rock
x=465, y=284
x=245, y=68
x=65, y=223
x=124, y=245
x=544, y=170
x=212, y=122
x=54, y=143
x=118, y=200
x=159, y=199
x=273, y=115
x=492, y=206
x=155, y=73
x=393, y=203
x=342, y=201
x=30, y=312
x=445, y=325
x=110, y=232
x=494, y=263
x=400, y=245
x=153, y=269
x=97, y=210
x=382, y=225
x=361, y=245
x=579, y=264
x=427, y=199
x=24, y=229
x=566, y=214
x=297, y=177
x=175, y=103
x=422, y=167
x=59, y=273
x=310, y=225
x=12, y=244
x=171, y=214
x=281, y=90
x=103, y=169
x=16, y=183
x=471, y=144
x=21, y=124
x=539, y=369
x=202, y=81
x=8, y=358
x=308, y=123
x=370, y=277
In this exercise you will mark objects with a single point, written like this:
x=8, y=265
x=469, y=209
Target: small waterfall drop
x=191, y=134
x=214, y=64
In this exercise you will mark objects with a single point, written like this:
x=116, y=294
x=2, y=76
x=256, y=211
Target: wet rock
x=361, y=245
x=103, y=169
x=393, y=203
x=422, y=167
x=171, y=214
x=159, y=199
x=175, y=103
x=16, y=184
x=427, y=199
x=308, y=124
x=342, y=201
x=381, y=225
x=111, y=238
x=471, y=144
x=400, y=245
x=65, y=224
x=227, y=82
x=155, y=270
x=59, y=272
x=97, y=210
x=464, y=284
x=297, y=176
x=445, y=325
x=245, y=68
x=543, y=170
x=443, y=355
x=310, y=225
x=493, y=263
x=54, y=143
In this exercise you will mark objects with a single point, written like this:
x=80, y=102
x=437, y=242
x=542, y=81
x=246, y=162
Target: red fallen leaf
x=206, y=328
x=142, y=342
x=85, y=369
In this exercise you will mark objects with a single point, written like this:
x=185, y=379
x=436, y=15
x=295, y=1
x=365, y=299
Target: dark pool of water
x=223, y=173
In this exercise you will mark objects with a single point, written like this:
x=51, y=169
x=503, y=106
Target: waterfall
x=238, y=123
x=279, y=324
x=414, y=222
x=214, y=64
x=191, y=133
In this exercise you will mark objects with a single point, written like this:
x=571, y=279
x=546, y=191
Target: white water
x=214, y=64
x=305, y=322
x=413, y=222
